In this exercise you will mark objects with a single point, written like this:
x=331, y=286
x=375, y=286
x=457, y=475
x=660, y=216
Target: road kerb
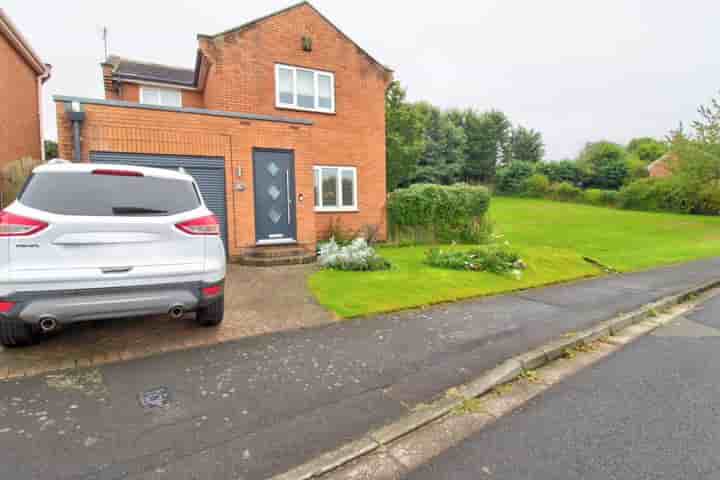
x=415, y=420
x=330, y=460
x=503, y=373
x=533, y=359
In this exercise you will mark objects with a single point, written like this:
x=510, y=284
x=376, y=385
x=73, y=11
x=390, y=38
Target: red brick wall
x=659, y=169
x=118, y=129
x=19, y=114
x=242, y=79
x=244, y=71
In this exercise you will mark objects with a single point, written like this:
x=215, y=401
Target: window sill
x=336, y=210
x=301, y=109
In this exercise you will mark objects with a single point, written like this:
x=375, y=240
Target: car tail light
x=214, y=291
x=12, y=225
x=116, y=173
x=201, y=226
x=5, y=307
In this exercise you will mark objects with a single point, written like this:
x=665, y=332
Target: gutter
x=16, y=39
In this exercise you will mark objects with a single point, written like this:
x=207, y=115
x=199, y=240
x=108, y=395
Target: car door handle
x=116, y=269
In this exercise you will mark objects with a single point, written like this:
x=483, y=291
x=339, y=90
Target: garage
x=208, y=172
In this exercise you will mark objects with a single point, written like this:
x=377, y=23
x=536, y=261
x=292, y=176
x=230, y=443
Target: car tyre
x=212, y=315
x=16, y=333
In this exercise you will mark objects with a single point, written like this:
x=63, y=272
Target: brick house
x=22, y=75
x=282, y=123
x=663, y=166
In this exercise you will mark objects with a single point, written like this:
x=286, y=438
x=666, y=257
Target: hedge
x=12, y=177
x=511, y=178
x=671, y=194
x=437, y=213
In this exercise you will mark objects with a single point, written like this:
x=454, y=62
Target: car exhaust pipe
x=177, y=312
x=48, y=324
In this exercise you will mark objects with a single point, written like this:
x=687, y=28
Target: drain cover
x=155, y=397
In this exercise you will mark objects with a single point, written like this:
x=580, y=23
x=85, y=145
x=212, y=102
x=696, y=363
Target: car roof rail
x=58, y=161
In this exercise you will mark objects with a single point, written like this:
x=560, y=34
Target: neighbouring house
x=22, y=74
x=662, y=167
x=281, y=121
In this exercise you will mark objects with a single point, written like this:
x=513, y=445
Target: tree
x=445, y=143
x=526, y=145
x=707, y=129
x=607, y=164
x=51, y=149
x=488, y=143
x=405, y=140
x=698, y=152
x=647, y=149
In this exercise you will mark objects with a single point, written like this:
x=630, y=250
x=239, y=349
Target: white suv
x=90, y=241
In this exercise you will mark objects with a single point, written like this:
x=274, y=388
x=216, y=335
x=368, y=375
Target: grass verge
x=552, y=238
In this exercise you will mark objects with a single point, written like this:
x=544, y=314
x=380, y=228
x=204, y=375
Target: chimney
x=110, y=89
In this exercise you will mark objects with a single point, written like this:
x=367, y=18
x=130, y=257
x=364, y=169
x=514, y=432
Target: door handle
x=287, y=184
x=116, y=269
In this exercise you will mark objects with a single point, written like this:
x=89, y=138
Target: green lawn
x=552, y=238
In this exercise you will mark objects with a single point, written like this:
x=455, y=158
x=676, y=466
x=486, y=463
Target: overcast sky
x=576, y=70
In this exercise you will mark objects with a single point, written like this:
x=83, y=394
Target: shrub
x=654, y=194
x=439, y=213
x=511, y=178
x=638, y=195
x=709, y=201
x=563, y=171
x=358, y=256
x=537, y=185
x=610, y=174
x=595, y=196
x=493, y=259
x=13, y=177
x=637, y=168
x=607, y=163
x=565, y=192
x=338, y=233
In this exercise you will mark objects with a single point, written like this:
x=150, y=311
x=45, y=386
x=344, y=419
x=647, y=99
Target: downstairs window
x=335, y=189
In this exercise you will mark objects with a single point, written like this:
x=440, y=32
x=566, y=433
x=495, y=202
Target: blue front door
x=274, y=182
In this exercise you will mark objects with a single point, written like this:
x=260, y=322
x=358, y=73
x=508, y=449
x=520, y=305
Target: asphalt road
x=650, y=411
x=260, y=406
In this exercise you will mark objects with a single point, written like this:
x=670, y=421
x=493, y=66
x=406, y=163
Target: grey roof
x=138, y=70
x=196, y=111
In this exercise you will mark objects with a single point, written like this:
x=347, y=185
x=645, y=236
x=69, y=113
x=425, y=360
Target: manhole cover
x=155, y=397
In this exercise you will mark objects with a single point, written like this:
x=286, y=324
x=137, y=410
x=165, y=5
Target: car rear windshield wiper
x=138, y=211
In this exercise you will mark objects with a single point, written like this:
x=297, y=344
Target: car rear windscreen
x=86, y=194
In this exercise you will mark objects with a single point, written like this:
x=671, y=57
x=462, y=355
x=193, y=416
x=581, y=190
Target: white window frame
x=316, y=75
x=159, y=91
x=317, y=171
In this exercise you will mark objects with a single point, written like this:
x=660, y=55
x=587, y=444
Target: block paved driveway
x=258, y=301
x=262, y=405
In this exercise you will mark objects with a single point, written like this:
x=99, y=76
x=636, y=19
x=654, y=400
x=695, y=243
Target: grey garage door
x=208, y=172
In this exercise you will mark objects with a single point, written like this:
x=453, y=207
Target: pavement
x=262, y=405
x=648, y=411
x=248, y=312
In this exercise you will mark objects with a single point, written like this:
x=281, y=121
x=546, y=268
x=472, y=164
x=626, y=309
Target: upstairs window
x=304, y=89
x=166, y=97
